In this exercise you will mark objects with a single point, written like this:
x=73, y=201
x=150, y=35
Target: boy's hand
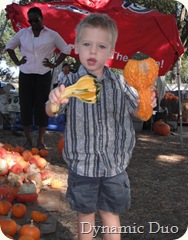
x=55, y=95
x=153, y=97
x=153, y=102
x=55, y=100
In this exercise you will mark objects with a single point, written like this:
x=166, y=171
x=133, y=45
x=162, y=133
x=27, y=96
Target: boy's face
x=66, y=69
x=94, y=48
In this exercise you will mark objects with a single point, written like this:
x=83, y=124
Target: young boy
x=100, y=137
x=62, y=74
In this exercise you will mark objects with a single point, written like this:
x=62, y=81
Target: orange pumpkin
x=19, y=210
x=33, y=160
x=41, y=162
x=38, y=216
x=36, y=157
x=26, y=155
x=35, y=151
x=60, y=145
x=8, y=225
x=7, y=193
x=56, y=183
x=161, y=128
x=5, y=207
x=140, y=72
x=7, y=146
x=24, y=164
x=18, y=157
x=15, y=188
x=19, y=149
x=30, y=230
x=43, y=152
x=16, y=169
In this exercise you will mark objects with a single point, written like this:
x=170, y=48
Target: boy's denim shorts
x=87, y=195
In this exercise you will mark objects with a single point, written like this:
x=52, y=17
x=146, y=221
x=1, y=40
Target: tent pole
x=180, y=102
x=3, y=29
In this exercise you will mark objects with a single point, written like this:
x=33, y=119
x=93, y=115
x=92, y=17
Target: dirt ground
x=158, y=174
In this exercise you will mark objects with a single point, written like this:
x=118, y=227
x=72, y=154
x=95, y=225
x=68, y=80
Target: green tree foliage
x=184, y=69
x=6, y=30
x=7, y=33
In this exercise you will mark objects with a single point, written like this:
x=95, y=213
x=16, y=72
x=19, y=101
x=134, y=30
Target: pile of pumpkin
x=24, y=171
x=9, y=226
x=170, y=96
x=23, y=174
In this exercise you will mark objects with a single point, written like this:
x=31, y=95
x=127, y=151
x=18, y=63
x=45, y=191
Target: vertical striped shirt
x=100, y=137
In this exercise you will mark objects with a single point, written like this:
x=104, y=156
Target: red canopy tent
x=140, y=29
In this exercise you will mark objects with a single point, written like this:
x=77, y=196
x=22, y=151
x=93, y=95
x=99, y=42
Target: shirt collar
x=107, y=73
x=44, y=28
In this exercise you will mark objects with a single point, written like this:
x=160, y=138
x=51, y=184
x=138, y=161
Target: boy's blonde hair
x=98, y=20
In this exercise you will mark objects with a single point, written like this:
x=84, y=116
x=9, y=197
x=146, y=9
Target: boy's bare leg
x=111, y=220
x=85, y=224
